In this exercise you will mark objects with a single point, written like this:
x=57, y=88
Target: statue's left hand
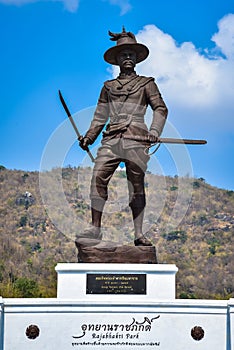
x=153, y=136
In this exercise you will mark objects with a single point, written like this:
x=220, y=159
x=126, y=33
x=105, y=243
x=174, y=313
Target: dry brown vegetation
x=31, y=245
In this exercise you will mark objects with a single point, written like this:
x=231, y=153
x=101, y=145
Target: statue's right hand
x=84, y=142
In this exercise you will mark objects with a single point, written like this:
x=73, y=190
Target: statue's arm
x=159, y=108
x=100, y=118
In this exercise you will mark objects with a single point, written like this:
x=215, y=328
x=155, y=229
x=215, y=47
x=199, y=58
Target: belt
x=121, y=117
x=118, y=118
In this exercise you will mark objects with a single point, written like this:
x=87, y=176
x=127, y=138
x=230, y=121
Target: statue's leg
x=105, y=165
x=135, y=174
x=97, y=206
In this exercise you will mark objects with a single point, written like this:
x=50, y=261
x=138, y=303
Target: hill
x=191, y=223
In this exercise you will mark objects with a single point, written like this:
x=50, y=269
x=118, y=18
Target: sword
x=179, y=141
x=160, y=140
x=151, y=141
x=73, y=124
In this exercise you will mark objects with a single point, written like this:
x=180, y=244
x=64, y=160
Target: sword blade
x=68, y=114
x=182, y=141
x=73, y=123
x=165, y=140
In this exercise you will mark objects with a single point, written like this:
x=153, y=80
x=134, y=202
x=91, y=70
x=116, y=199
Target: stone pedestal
x=133, y=282
x=109, y=253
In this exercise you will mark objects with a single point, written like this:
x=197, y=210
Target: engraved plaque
x=116, y=284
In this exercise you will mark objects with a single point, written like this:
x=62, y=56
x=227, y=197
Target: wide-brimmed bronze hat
x=125, y=40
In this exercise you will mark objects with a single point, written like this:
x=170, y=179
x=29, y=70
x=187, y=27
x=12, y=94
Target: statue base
x=122, y=306
x=102, y=282
x=94, y=251
x=99, y=306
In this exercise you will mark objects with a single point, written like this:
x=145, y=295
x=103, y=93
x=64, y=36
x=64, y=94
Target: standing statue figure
x=123, y=101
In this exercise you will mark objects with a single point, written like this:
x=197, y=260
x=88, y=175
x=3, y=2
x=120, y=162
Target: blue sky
x=59, y=44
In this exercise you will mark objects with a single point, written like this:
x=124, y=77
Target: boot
x=138, y=216
x=94, y=230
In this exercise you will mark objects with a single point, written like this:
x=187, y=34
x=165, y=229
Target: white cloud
x=123, y=4
x=187, y=76
x=224, y=39
x=177, y=68
x=196, y=85
x=70, y=5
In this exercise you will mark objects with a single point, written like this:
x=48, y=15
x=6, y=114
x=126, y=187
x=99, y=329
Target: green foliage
x=23, y=220
x=24, y=177
x=196, y=184
x=67, y=172
x=26, y=288
x=176, y=236
x=213, y=242
x=121, y=174
x=81, y=205
x=1, y=271
x=202, y=220
x=230, y=193
x=186, y=295
x=36, y=247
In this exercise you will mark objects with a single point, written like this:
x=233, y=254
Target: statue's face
x=126, y=59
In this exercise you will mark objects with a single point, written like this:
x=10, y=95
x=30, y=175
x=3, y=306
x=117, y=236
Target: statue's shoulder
x=110, y=83
x=141, y=78
x=140, y=83
x=145, y=80
x=133, y=86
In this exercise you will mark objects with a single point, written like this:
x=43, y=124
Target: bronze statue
x=124, y=101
